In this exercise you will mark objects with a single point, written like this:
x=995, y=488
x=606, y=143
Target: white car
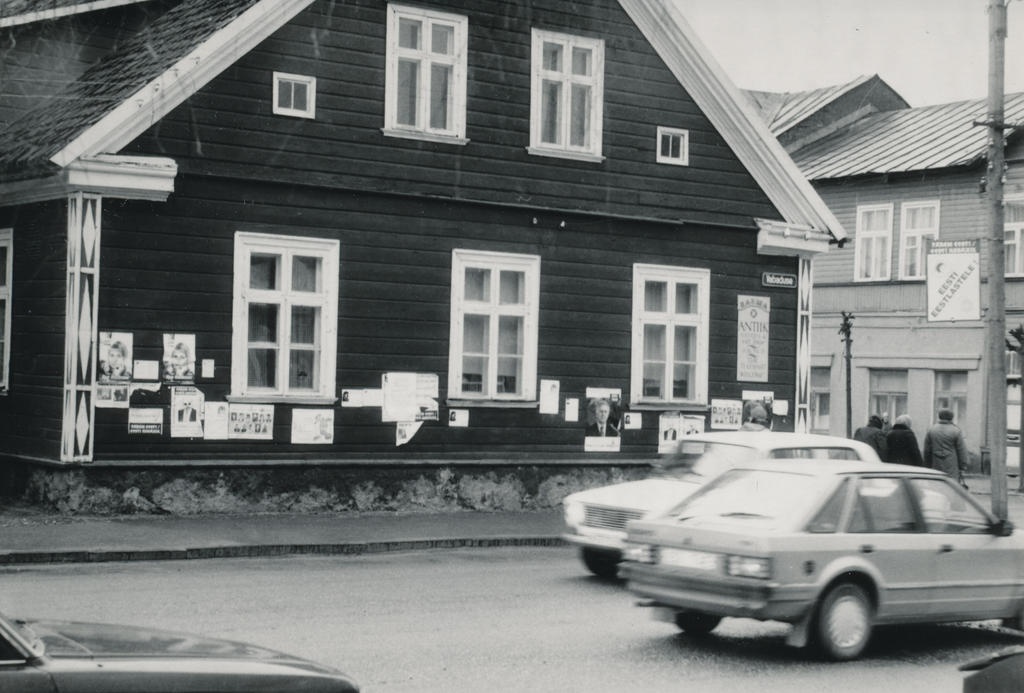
x=596, y=519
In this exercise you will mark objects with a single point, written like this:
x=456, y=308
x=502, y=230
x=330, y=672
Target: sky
x=929, y=51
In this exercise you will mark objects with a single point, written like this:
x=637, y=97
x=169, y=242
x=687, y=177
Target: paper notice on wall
x=726, y=413
x=458, y=418
x=215, y=421
x=255, y=421
x=752, y=333
x=674, y=426
x=186, y=412
x=146, y=421
x=549, y=394
x=601, y=444
x=632, y=420
x=953, y=280
x=361, y=397
x=405, y=430
x=147, y=370
x=572, y=409
x=312, y=426
x=409, y=397
x=612, y=394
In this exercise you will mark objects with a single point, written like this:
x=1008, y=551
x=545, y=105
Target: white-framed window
x=919, y=221
x=285, y=318
x=671, y=307
x=495, y=312
x=821, y=400
x=951, y=393
x=567, y=95
x=1013, y=225
x=673, y=146
x=425, y=94
x=887, y=392
x=873, y=243
x=6, y=279
x=294, y=95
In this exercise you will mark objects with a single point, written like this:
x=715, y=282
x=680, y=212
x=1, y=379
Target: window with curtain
x=873, y=241
x=285, y=316
x=919, y=223
x=567, y=94
x=425, y=90
x=494, y=317
x=6, y=269
x=888, y=392
x=670, y=334
x=821, y=400
x=951, y=393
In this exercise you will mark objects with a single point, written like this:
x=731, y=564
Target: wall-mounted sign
x=778, y=279
x=752, y=331
x=954, y=280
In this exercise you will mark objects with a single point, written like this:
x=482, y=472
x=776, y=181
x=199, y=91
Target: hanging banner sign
x=954, y=280
x=752, y=332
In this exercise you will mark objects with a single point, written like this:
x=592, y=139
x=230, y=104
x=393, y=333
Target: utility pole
x=846, y=329
x=995, y=317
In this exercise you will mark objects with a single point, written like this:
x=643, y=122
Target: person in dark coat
x=945, y=448
x=902, y=443
x=873, y=435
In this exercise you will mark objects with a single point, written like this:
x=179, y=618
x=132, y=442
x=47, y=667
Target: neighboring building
x=898, y=178
x=335, y=223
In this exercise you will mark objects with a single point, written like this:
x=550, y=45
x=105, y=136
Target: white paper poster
x=215, y=421
x=549, y=395
x=179, y=360
x=146, y=421
x=313, y=426
x=409, y=397
x=673, y=426
x=752, y=332
x=954, y=280
x=572, y=409
x=632, y=420
x=601, y=444
x=186, y=412
x=361, y=397
x=254, y=421
x=405, y=430
x=458, y=418
x=147, y=370
x=726, y=413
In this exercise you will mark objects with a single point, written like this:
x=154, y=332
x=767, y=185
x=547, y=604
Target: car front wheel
x=844, y=622
x=601, y=563
x=695, y=623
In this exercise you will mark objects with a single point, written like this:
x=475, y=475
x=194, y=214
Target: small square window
x=673, y=146
x=294, y=95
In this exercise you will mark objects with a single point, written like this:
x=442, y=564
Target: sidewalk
x=29, y=536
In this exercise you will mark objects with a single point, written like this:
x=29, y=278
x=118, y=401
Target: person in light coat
x=945, y=448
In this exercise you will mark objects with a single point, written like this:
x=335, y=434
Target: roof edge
x=696, y=70
x=123, y=177
x=67, y=11
x=191, y=73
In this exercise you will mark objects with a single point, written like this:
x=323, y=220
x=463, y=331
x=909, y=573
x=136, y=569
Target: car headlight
x=748, y=566
x=639, y=553
x=574, y=513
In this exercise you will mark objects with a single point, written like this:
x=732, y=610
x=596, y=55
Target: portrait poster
x=215, y=421
x=251, y=421
x=752, y=332
x=632, y=420
x=146, y=421
x=179, y=360
x=953, y=280
x=313, y=426
x=115, y=357
x=186, y=412
x=726, y=414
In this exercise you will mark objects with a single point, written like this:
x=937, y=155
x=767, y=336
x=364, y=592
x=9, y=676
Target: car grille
x=609, y=518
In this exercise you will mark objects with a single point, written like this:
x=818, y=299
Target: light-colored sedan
x=595, y=519
x=832, y=548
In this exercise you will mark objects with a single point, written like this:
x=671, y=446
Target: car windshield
x=23, y=632
x=774, y=496
x=706, y=459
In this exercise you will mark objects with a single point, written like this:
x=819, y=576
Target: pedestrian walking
x=945, y=448
x=901, y=442
x=873, y=435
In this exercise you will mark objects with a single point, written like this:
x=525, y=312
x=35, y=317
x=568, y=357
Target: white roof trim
x=780, y=238
x=732, y=115
x=66, y=11
x=157, y=98
x=123, y=177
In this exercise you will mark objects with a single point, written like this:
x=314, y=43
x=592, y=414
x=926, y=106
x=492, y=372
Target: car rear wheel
x=695, y=623
x=843, y=625
x=601, y=563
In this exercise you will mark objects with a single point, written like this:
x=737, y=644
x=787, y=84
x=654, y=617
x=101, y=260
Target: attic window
x=294, y=95
x=673, y=146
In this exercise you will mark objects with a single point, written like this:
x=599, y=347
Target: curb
x=268, y=550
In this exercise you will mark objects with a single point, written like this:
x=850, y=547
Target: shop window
x=494, y=317
x=567, y=95
x=425, y=96
x=873, y=243
x=673, y=146
x=294, y=95
x=285, y=317
x=6, y=274
x=888, y=393
x=951, y=393
x=670, y=334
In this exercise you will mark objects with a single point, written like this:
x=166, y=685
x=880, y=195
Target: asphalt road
x=503, y=619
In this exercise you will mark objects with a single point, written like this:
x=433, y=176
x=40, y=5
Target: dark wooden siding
x=228, y=127
x=31, y=411
x=167, y=268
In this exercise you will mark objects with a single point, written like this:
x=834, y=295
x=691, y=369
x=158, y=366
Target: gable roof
x=15, y=12
x=783, y=110
x=911, y=139
x=180, y=52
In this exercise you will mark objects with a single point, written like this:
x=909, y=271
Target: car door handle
x=867, y=548
x=945, y=548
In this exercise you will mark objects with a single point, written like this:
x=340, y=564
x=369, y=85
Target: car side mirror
x=1002, y=528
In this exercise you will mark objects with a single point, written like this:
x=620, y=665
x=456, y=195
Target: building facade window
x=673, y=146
x=821, y=400
x=1013, y=212
x=425, y=94
x=285, y=316
x=919, y=222
x=6, y=279
x=951, y=393
x=874, y=243
x=294, y=95
x=670, y=334
x=494, y=317
x=567, y=95
x=888, y=392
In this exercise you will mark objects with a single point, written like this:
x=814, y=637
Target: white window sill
x=425, y=136
x=492, y=403
x=565, y=154
x=282, y=399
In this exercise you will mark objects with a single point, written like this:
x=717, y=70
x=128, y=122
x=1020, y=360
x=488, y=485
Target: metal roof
x=783, y=110
x=14, y=12
x=910, y=139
